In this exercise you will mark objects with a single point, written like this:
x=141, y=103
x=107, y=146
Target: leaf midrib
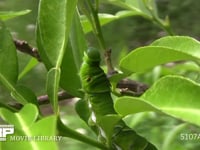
x=27, y=131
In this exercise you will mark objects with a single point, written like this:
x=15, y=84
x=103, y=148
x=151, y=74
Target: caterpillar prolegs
x=97, y=88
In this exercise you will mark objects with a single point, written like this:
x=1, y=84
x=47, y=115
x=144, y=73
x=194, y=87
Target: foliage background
x=131, y=32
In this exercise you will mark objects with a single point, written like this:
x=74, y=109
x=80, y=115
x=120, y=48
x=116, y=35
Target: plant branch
x=62, y=95
x=131, y=87
x=97, y=30
x=67, y=132
x=165, y=26
x=44, y=99
x=108, y=61
x=126, y=86
x=24, y=47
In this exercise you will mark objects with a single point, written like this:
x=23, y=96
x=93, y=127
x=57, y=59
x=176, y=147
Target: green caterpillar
x=97, y=88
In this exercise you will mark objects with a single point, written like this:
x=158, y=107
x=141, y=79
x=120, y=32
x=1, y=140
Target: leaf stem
x=164, y=24
x=108, y=61
x=97, y=29
x=67, y=132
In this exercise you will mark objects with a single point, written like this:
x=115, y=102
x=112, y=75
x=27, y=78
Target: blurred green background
x=122, y=36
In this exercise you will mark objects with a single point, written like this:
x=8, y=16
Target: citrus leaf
x=144, y=58
x=31, y=64
x=29, y=114
x=140, y=6
x=77, y=40
x=25, y=125
x=9, y=68
x=8, y=58
x=107, y=18
x=53, y=28
x=82, y=109
x=107, y=123
x=53, y=78
x=130, y=105
x=183, y=44
x=24, y=95
x=177, y=96
x=5, y=15
x=70, y=80
x=173, y=95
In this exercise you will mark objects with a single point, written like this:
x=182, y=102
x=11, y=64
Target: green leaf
x=107, y=123
x=172, y=136
x=173, y=95
x=5, y=15
x=77, y=40
x=24, y=95
x=140, y=6
x=54, y=24
x=70, y=67
x=106, y=18
x=70, y=80
x=8, y=58
x=25, y=125
x=183, y=44
x=83, y=110
x=115, y=78
x=53, y=79
x=176, y=96
x=126, y=13
x=26, y=117
x=31, y=64
x=9, y=67
x=130, y=105
x=181, y=68
x=179, y=48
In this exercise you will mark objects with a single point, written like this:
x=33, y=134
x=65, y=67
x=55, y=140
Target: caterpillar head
x=92, y=55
